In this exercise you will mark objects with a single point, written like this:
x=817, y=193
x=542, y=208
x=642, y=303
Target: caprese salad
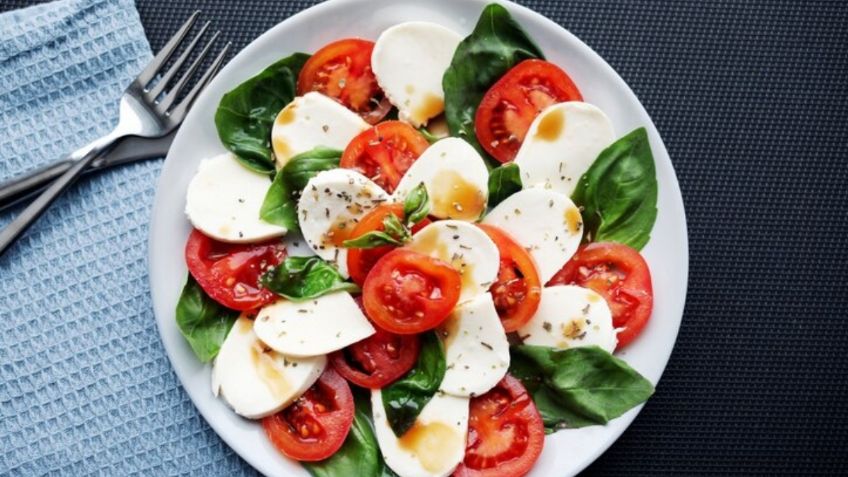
x=419, y=254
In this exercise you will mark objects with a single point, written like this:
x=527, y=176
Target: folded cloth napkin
x=85, y=386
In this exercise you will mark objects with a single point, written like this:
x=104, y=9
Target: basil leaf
x=279, y=207
x=618, y=194
x=393, y=226
x=202, y=321
x=246, y=114
x=307, y=165
x=578, y=387
x=304, y=278
x=416, y=206
x=503, y=182
x=404, y=399
x=359, y=455
x=497, y=44
x=372, y=239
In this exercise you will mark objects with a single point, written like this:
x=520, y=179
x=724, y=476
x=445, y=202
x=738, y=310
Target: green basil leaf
x=404, y=399
x=416, y=206
x=393, y=226
x=618, y=194
x=497, y=44
x=246, y=114
x=503, y=182
x=279, y=207
x=372, y=239
x=304, y=278
x=307, y=165
x=359, y=455
x=202, y=321
x=578, y=387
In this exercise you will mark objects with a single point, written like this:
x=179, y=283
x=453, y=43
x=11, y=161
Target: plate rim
x=623, y=422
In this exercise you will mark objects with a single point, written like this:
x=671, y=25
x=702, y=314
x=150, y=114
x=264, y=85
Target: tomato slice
x=229, y=273
x=377, y=360
x=315, y=426
x=342, y=71
x=384, y=152
x=510, y=106
x=505, y=433
x=407, y=292
x=621, y=276
x=361, y=260
x=517, y=291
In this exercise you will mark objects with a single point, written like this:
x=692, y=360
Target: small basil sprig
x=504, y=181
x=246, y=114
x=304, y=278
x=404, y=399
x=202, y=321
x=280, y=204
x=416, y=206
x=578, y=387
x=618, y=194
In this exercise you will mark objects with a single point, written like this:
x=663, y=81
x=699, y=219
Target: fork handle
x=80, y=160
x=26, y=185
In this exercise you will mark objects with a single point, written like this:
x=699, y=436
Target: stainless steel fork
x=147, y=111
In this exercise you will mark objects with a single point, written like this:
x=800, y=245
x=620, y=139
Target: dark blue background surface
x=751, y=99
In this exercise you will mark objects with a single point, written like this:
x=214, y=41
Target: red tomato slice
x=342, y=71
x=377, y=360
x=361, y=260
x=510, y=106
x=384, y=152
x=229, y=273
x=517, y=290
x=621, y=276
x=407, y=292
x=315, y=426
x=505, y=433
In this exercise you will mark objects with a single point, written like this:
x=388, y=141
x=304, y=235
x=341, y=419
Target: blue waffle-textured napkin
x=85, y=386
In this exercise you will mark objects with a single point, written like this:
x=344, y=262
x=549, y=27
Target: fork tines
x=153, y=94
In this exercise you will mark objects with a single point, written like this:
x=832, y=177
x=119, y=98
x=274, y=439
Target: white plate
x=565, y=452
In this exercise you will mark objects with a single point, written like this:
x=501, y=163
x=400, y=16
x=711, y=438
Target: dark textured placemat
x=751, y=99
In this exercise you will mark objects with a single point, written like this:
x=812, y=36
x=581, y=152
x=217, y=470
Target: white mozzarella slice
x=330, y=207
x=544, y=222
x=257, y=381
x=409, y=60
x=310, y=121
x=476, y=348
x=223, y=201
x=456, y=179
x=435, y=444
x=561, y=144
x=570, y=316
x=312, y=327
x=464, y=246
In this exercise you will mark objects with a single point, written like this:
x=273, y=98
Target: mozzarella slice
x=330, y=207
x=456, y=179
x=310, y=121
x=435, y=444
x=570, y=316
x=466, y=247
x=223, y=201
x=476, y=348
x=257, y=381
x=312, y=327
x=546, y=223
x=409, y=60
x=561, y=144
